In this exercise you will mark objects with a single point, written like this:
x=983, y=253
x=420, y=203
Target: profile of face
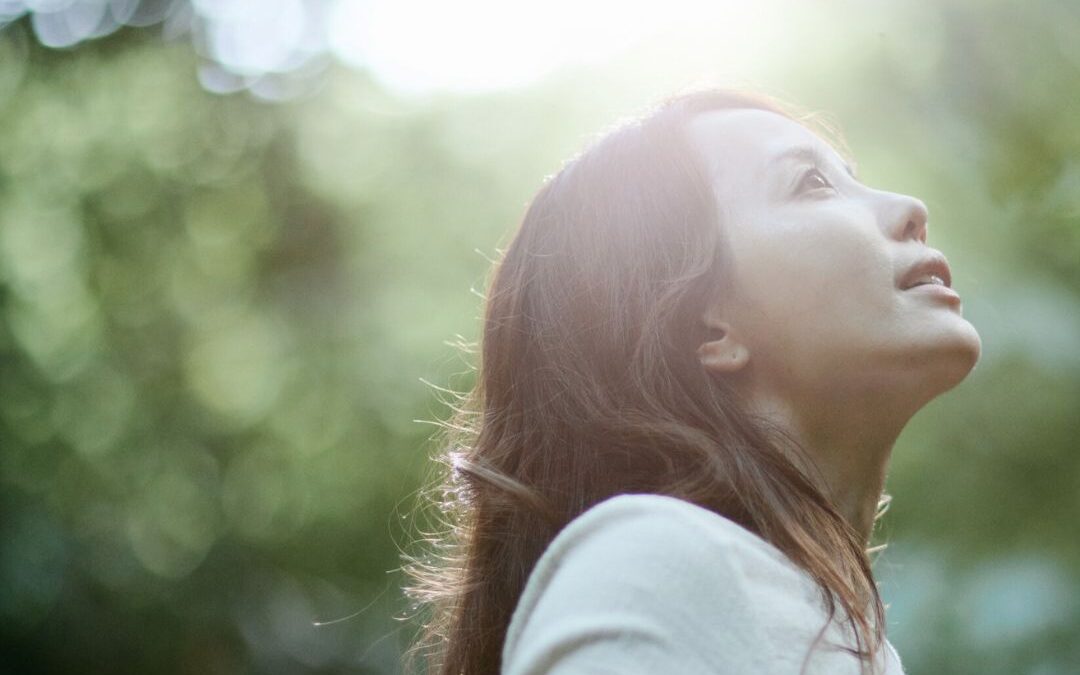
x=836, y=295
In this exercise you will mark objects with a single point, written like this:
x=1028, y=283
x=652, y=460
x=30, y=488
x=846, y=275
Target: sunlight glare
x=420, y=45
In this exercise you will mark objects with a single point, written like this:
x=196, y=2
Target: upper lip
x=932, y=263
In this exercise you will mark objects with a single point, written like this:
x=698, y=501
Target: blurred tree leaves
x=182, y=404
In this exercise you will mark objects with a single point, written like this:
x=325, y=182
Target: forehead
x=749, y=139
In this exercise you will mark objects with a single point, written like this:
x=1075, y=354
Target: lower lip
x=935, y=290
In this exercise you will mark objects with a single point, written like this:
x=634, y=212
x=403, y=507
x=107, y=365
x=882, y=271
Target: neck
x=848, y=439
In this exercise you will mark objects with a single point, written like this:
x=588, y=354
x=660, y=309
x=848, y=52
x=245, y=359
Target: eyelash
x=812, y=173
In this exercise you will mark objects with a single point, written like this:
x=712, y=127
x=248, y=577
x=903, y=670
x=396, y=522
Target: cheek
x=814, y=287
x=804, y=269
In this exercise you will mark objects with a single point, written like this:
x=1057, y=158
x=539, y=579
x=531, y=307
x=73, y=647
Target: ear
x=724, y=353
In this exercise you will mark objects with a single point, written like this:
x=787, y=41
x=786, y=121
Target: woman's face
x=824, y=268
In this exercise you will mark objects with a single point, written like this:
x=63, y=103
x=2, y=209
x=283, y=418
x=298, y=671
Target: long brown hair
x=589, y=386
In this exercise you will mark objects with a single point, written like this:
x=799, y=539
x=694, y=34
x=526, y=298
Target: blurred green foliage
x=215, y=314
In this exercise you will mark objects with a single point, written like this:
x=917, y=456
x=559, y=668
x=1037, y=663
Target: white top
x=655, y=585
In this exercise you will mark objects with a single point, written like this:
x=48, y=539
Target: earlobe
x=724, y=354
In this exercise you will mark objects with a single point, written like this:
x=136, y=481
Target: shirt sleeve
x=650, y=584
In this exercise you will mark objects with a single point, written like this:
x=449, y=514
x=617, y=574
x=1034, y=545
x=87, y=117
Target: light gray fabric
x=652, y=584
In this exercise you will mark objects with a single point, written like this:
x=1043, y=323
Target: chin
x=957, y=353
x=932, y=359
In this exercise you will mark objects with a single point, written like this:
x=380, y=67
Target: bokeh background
x=238, y=236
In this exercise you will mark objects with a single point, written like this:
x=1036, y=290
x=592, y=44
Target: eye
x=813, y=180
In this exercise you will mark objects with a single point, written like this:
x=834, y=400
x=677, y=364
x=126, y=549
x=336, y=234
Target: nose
x=906, y=218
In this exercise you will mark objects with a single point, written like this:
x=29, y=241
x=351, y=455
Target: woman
x=698, y=352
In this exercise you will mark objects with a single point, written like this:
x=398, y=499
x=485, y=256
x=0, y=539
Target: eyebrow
x=811, y=154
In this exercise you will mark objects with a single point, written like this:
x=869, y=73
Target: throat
x=842, y=448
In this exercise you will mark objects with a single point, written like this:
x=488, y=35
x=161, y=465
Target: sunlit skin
x=817, y=332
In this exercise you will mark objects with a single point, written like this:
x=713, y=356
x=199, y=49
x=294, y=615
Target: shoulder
x=638, y=531
x=672, y=520
x=652, y=577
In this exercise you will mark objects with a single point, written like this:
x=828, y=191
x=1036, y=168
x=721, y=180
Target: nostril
x=915, y=230
x=909, y=219
x=922, y=230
